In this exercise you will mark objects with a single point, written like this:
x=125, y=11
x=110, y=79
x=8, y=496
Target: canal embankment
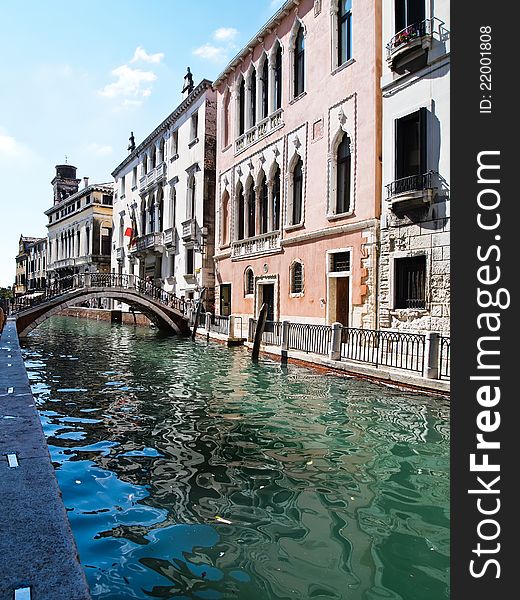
x=37, y=548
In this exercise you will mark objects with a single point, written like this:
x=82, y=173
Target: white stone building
x=164, y=200
x=79, y=226
x=414, y=281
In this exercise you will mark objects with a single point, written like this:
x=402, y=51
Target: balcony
x=266, y=243
x=189, y=230
x=155, y=175
x=409, y=43
x=258, y=131
x=151, y=242
x=120, y=254
x=411, y=192
x=170, y=236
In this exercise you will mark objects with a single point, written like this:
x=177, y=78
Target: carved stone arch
x=258, y=178
x=337, y=138
x=294, y=31
x=274, y=49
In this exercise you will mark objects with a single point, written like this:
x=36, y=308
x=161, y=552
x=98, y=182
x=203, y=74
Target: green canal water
x=189, y=472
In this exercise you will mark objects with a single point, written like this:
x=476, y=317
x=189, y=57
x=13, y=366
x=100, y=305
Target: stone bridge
x=163, y=308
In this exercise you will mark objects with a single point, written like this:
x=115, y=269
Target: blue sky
x=76, y=77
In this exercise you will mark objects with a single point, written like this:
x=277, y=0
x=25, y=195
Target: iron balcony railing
x=407, y=36
x=79, y=281
x=388, y=348
x=219, y=324
x=414, y=183
x=310, y=338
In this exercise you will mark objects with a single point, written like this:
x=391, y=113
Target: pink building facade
x=299, y=167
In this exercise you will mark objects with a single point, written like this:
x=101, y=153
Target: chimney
x=85, y=180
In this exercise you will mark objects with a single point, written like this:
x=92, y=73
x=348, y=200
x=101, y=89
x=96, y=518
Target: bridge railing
x=79, y=281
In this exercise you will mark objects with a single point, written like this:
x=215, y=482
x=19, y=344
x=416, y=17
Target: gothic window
x=252, y=112
x=121, y=231
x=343, y=170
x=296, y=277
x=263, y=203
x=251, y=212
x=299, y=63
x=173, y=206
x=297, y=193
x=249, y=282
x=194, y=126
x=224, y=219
x=153, y=158
x=241, y=107
x=277, y=199
x=278, y=78
x=225, y=120
x=344, y=31
x=240, y=212
x=145, y=164
x=265, y=88
x=175, y=143
x=162, y=147
x=160, y=211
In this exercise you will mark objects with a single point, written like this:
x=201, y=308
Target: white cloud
x=132, y=83
x=224, y=34
x=140, y=54
x=99, y=149
x=212, y=53
x=10, y=148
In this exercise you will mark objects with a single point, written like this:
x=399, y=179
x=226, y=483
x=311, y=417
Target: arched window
x=263, y=199
x=343, y=168
x=162, y=148
x=154, y=158
x=277, y=200
x=296, y=277
x=160, y=202
x=224, y=220
x=299, y=63
x=151, y=216
x=249, y=282
x=143, y=217
x=297, y=192
x=190, y=198
x=252, y=108
x=265, y=88
x=278, y=79
x=251, y=208
x=241, y=107
x=240, y=212
x=145, y=164
x=344, y=31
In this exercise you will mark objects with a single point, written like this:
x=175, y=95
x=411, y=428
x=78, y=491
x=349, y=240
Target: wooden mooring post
x=197, y=313
x=260, y=326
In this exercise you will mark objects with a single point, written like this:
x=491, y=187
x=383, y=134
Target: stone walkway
x=37, y=548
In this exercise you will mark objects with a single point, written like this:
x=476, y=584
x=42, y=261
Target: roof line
x=201, y=87
x=273, y=21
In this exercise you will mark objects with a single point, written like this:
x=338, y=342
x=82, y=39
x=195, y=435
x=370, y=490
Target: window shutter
x=423, y=143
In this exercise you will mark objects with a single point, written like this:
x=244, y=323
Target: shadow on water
x=188, y=471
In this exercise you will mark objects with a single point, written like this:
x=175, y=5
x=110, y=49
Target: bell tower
x=64, y=183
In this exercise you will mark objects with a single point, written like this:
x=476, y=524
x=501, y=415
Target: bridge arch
x=166, y=318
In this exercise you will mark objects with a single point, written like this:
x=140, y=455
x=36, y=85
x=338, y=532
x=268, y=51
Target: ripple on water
x=202, y=475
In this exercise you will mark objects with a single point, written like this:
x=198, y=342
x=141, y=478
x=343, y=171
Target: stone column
x=271, y=86
x=208, y=321
x=270, y=206
x=247, y=103
x=247, y=201
x=431, y=356
x=258, y=216
x=156, y=214
x=335, y=344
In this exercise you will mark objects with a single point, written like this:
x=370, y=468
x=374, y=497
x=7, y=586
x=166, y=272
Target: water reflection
x=190, y=472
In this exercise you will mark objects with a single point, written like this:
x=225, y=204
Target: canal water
x=188, y=472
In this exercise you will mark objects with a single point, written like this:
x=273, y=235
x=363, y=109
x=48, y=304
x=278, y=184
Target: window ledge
x=174, y=157
x=299, y=295
x=193, y=142
x=294, y=227
x=249, y=295
x=227, y=147
x=294, y=100
x=346, y=64
x=420, y=312
x=335, y=216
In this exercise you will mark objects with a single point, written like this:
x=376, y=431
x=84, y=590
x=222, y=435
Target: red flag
x=128, y=232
